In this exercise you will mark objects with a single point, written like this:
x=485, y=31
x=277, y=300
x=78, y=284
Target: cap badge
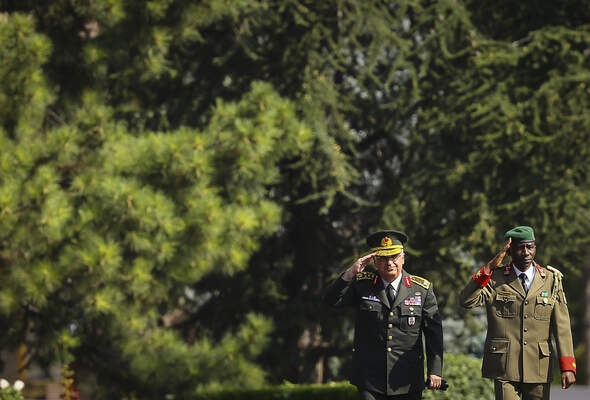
x=386, y=242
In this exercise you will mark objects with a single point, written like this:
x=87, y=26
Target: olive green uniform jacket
x=520, y=325
x=388, y=355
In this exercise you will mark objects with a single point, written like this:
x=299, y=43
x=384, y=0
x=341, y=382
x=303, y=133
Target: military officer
x=394, y=309
x=525, y=305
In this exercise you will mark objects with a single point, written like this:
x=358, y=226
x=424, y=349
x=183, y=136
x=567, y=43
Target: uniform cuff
x=567, y=364
x=481, y=278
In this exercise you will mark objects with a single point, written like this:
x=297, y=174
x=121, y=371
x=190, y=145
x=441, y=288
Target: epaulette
x=365, y=275
x=556, y=272
x=421, y=281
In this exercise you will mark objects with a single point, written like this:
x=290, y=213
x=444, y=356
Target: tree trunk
x=312, y=368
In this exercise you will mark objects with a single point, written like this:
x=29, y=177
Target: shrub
x=463, y=373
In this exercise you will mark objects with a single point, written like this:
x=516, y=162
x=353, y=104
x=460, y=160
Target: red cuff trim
x=481, y=278
x=567, y=364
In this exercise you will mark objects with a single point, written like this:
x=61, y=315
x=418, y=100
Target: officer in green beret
x=526, y=307
x=394, y=309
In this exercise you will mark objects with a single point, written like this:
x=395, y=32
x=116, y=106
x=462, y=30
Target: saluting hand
x=497, y=261
x=358, y=266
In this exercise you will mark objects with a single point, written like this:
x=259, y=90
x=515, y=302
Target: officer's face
x=523, y=254
x=389, y=267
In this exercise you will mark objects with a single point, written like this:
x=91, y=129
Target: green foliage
x=286, y=391
x=176, y=175
x=23, y=95
x=497, y=128
x=11, y=392
x=104, y=231
x=461, y=372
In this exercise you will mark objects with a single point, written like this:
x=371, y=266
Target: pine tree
x=128, y=125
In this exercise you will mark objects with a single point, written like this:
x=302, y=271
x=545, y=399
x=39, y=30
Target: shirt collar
x=394, y=283
x=529, y=273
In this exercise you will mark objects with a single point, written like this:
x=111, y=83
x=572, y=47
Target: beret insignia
x=421, y=281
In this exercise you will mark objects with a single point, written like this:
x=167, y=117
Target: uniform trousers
x=366, y=395
x=508, y=390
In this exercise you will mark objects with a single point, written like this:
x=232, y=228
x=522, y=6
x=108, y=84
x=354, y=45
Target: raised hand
x=497, y=260
x=357, y=266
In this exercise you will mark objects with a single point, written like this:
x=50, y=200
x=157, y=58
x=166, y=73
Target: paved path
x=575, y=392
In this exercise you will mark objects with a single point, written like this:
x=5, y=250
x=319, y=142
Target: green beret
x=520, y=234
x=387, y=243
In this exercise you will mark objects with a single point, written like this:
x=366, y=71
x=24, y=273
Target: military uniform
x=388, y=355
x=518, y=345
x=518, y=351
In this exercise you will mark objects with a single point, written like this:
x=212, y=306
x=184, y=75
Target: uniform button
x=411, y=308
x=353, y=349
x=389, y=349
x=390, y=325
x=524, y=343
x=525, y=329
x=391, y=313
x=493, y=348
x=389, y=337
x=526, y=302
x=525, y=316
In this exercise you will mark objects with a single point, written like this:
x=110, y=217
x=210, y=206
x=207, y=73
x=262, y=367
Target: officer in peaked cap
x=526, y=305
x=394, y=309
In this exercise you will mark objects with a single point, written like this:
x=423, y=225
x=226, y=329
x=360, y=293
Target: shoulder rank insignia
x=556, y=272
x=421, y=281
x=541, y=270
x=364, y=275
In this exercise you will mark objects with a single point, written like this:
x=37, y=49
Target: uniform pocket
x=370, y=306
x=496, y=357
x=543, y=308
x=544, y=358
x=505, y=305
x=410, y=318
x=370, y=312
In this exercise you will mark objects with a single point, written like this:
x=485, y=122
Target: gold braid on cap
x=387, y=248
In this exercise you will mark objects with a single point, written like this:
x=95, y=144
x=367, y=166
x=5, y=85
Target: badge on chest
x=413, y=301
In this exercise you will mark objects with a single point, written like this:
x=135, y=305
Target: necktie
x=523, y=281
x=390, y=293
